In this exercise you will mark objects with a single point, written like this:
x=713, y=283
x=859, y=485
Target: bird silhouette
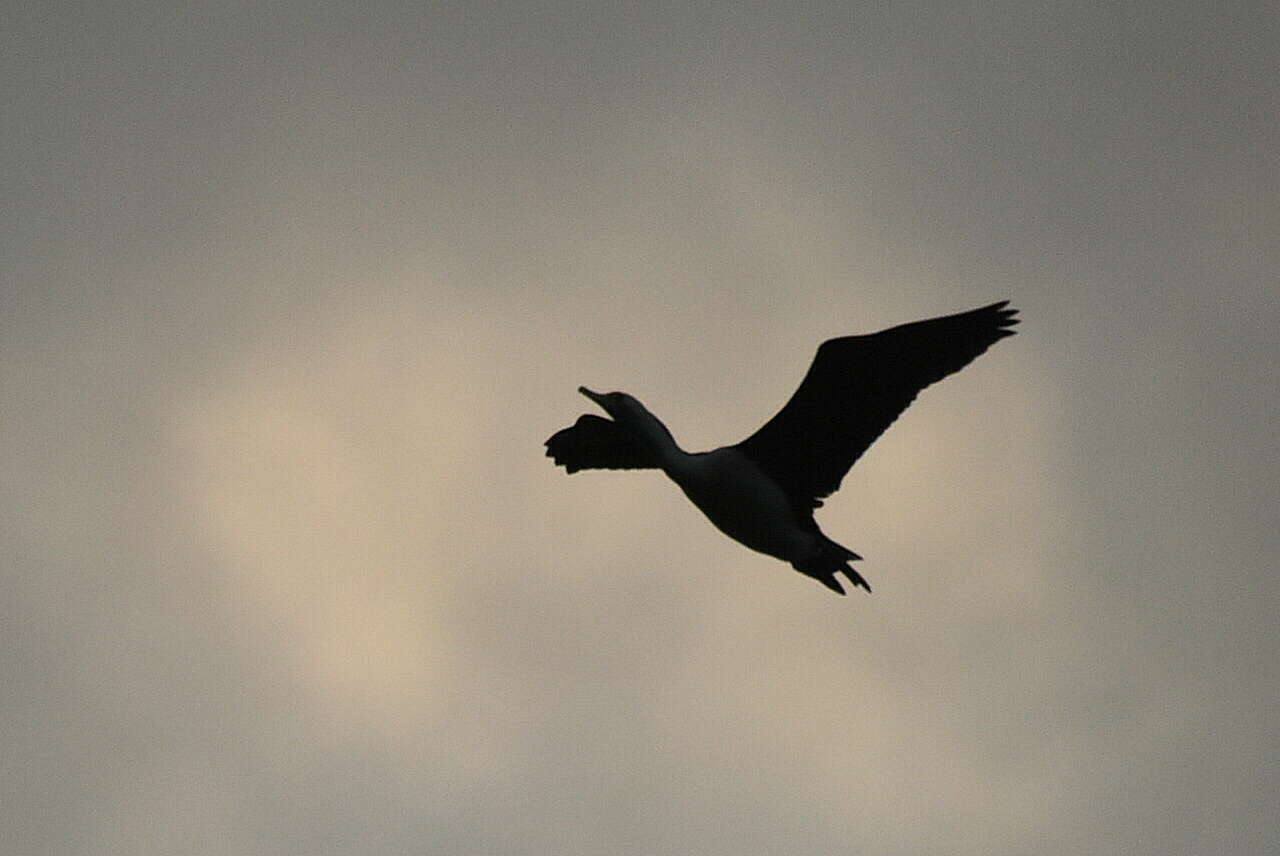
x=762, y=492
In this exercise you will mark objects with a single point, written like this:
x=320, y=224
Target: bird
x=762, y=491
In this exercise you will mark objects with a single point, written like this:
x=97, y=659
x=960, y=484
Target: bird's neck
x=650, y=430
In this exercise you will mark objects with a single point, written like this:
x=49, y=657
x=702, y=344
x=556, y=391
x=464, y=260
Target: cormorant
x=762, y=492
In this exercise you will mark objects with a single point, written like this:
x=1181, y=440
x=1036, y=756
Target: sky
x=291, y=295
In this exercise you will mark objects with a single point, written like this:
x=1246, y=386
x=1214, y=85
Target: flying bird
x=762, y=492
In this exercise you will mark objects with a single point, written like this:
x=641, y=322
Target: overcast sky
x=292, y=294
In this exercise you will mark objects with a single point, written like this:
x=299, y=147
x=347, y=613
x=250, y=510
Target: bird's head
x=629, y=413
x=625, y=409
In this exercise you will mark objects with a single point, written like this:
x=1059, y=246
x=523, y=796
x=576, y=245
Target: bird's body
x=762, y=492
x=740, y=500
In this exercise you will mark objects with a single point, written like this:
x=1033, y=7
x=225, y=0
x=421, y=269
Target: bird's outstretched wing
x=855, y=389
x=594, y=442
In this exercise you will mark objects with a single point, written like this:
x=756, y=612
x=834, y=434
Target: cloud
x=294, y=303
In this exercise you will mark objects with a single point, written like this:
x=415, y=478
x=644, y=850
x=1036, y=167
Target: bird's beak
x=594, y=396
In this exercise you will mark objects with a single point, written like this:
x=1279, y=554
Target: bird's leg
x=855, y=577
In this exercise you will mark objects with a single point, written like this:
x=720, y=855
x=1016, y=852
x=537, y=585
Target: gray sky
x=292, y=296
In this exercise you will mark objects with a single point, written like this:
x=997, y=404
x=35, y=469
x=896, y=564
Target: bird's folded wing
x=594, y=442
x=855, y=389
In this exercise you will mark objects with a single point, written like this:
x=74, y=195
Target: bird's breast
x=741, y=500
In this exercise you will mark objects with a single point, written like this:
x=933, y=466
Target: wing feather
x=857, y=386
x=594, y=442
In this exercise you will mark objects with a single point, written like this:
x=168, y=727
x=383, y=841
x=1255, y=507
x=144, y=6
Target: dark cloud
x=292, y=298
